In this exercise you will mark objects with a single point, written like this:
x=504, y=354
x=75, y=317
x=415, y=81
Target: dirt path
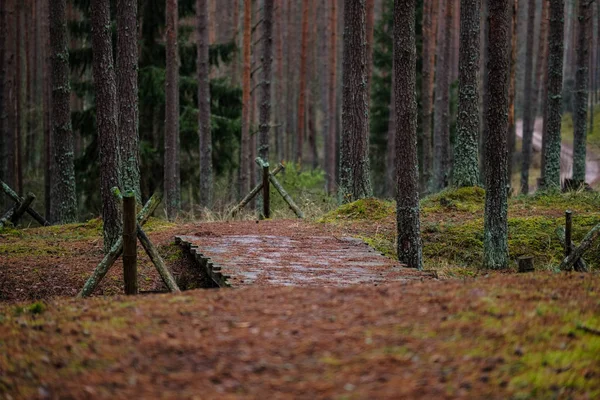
x=566, y=155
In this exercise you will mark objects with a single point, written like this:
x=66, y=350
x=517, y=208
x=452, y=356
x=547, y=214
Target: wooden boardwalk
x=269, y=260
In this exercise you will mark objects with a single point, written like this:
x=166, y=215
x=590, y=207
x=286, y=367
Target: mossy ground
x=452, y=227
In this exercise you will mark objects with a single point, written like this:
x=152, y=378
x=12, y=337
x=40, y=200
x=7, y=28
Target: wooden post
x=129, y=243
x=266, y=192
x=17, y=199
x=526, y=264
x=580, y=265
x=288, y=199
x=568, y=231
x=15, y=213
x=254, y=192
x=576, y=254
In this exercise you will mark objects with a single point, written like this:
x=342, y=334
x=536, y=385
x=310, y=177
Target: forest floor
x=470, y=333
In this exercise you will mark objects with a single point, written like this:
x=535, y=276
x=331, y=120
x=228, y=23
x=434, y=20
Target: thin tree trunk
x=20, y=80
x=370, y=10
x=355, y=181
x=264, y=124
x=172, y=198
x=303, y=73
x=106, y=117
x=280, y=122
x=64, y=208
x=407, y=174
x=47, y=106
x=204, y=132
x=528, y=95
x=245, y=142
x=10, y=95
x=430, y=23
x=235, y=24
x=3, y=128
x=581, y=93
x=466, y=166
x=127, y=100
x=554, y=99
x=441, y=139
x=390, y=154
x=331, y=153
x=496, y=202
x=512, y=92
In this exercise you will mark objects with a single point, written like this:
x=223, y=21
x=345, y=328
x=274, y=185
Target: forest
x=299, y=199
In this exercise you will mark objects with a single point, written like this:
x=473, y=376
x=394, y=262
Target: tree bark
x=512, y=131
x=280, y=122
x=302, y=93
x=64, y=205
x=551, y=171
x=3, y=127
x=430, y=24
x=10, y=95
x=466, y=165
x=355, y=182
x=331, y=150
x=127, y=100
x=496, y=196
x=528, y=107
x=441, y=139
x=172, y=198
x=581, y=93
x=106, y=119
x=204, y=131
x=407, y=171
x=370, y=21
x=245, y=162
x=264, y=124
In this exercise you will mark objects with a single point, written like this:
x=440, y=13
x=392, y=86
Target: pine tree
x=265, y=95
x=496, y=197
x=407, y=173
x=64, y=205
x=354, y=165
x=127, y=100
x=204, y=131
x=430, y=24
x=466, y=165
x=106, y=119
x=171, y=175
x=512, y=91
x=553, y=112
x=441, y=138
x=370, y=21
x=245, y=154
x=9, y=112
x=528, y=91
x=3, y=131
x=331, y=148
x=581, y=92
x=302, y=90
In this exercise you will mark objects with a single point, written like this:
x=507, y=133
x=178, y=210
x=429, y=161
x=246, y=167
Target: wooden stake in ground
x=288, y=199
x=580, y=265
x=129, y=244
x=266, y=192
x=17, y=199
x=586, y=243
x=15, y=213
x=254, y=192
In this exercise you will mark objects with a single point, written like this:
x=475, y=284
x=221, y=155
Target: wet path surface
x=298, y=260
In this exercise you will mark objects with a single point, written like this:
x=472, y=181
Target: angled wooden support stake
x=17, y=199
x=114, y=253
x=580, y=265
x=15, y=213
x=254, y=192
x=157, y=260
x=288, y=199
x=577, y=253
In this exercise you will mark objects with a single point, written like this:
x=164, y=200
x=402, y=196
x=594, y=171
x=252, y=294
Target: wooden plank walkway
x=269, y=260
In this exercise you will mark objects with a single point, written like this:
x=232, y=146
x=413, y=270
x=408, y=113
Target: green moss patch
x=364, y=209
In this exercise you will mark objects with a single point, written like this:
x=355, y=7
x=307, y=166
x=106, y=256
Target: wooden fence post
x=129, y=243
x=266, y=191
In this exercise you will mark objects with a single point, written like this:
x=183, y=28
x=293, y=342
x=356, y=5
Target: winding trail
x=592, y=173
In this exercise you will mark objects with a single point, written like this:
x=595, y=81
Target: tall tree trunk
x=279, y=90
x=430, y=24
x=331, y=151
x=528, y=95
x=390, y=154
x=21, y=112
x=302, y=94
x=10, y=96
x=264, y=124
x=512, y=91
x=581, y=93
x=235, y=23
x=554, y=99
x=407, y=174
x=106, y=119
x=47, y=107
x=370, y=20
x=544, y=86
x=466, y=166
x=441, y=139
x=172, y=198
x=3, y=128
x=542, y=62
x=127, y=100
x=204, y=132
x=355, y=182
x=245, y=142
x=64, y=208
x=496, y=197
x=485, y=98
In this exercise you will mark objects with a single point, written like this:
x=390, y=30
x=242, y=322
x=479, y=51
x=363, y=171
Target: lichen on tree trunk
x=407, y=170
x=106, y=119
x=466, y=163
x=553, y=112
x=355, y=181
x=496, y=197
